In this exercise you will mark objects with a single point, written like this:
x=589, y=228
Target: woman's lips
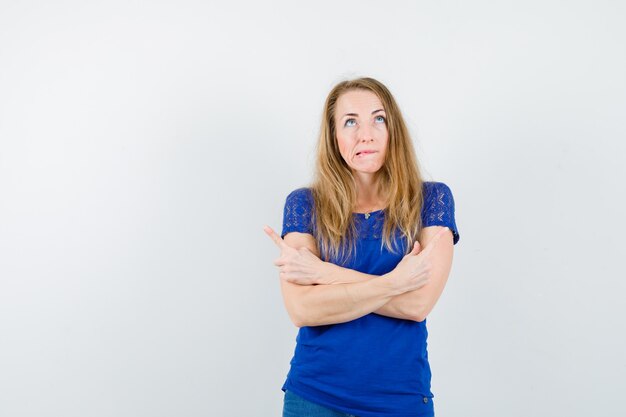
x=363, y=153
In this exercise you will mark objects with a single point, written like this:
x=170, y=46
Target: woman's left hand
x=298, y=266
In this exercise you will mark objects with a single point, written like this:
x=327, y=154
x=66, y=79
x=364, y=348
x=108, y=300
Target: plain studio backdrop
x=144, y=145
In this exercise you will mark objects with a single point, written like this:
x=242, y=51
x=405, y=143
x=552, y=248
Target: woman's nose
x=364, y=134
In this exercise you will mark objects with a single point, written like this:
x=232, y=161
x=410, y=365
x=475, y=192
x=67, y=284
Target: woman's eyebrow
x=356, y=114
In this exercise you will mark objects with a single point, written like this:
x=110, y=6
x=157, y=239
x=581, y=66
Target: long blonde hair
x=334, y=188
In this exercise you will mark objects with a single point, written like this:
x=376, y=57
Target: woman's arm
x=417, y=304
x=412, y=305
x=316, y=305
x=322, y=304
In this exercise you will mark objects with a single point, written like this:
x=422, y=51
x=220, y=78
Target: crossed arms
x=317, y=292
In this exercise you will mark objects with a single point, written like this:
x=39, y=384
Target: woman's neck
x=367, y=194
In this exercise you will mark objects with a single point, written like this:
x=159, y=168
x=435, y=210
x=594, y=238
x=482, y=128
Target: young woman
x=365, y=254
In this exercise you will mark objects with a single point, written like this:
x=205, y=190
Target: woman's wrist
x=327, y=273
x=391, y=278
x=331, y=273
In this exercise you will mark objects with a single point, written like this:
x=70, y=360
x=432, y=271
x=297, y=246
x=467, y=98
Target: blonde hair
x=399, y=180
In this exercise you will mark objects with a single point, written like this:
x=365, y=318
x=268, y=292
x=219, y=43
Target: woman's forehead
x=355, y=101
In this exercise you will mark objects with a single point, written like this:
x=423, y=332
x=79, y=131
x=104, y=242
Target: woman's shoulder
x=434, y=185
x=436, y=190
x=302, y=192
x=301, y=196
x=438, y=208
x=297, y=216
x=431, y=190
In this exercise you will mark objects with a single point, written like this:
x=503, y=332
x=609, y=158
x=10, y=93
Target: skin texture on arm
x=417, y=304
x=411, y=305
x=315, y=305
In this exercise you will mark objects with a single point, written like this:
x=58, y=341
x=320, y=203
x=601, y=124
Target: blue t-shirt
x=373, y=366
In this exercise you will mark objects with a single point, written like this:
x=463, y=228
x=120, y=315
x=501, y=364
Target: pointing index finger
x=274, y=236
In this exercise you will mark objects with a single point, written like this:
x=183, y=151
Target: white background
x=143, y=146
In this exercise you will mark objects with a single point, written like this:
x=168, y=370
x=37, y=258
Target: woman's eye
x=350, y=122
x=380, y=119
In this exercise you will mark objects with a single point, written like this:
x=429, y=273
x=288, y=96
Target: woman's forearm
x=402, y=306
x=338, y=303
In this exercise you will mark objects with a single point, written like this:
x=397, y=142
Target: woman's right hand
x=413, y=271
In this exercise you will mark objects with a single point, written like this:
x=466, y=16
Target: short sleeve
x=297, y=216
x=438, y=207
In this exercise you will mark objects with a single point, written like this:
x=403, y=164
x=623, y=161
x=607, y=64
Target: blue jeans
x=296, y=406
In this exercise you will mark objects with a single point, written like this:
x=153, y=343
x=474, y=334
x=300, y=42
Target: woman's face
x=361, y=127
